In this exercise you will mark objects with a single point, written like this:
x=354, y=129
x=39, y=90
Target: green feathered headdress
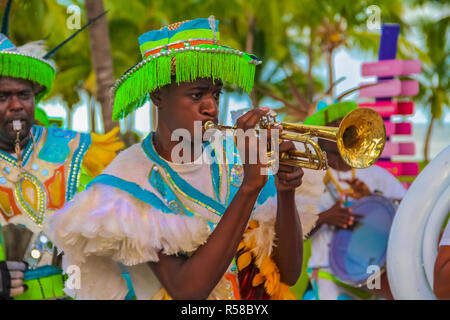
x=187, y=51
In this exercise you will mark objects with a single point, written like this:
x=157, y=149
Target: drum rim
x=336, y=270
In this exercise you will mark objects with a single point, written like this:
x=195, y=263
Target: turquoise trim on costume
x=268, y=191
x=132, y=188
x=75, y=165
x=215, y=169
x=157, y=181
x=190, y=191
x=131, y=295
x=56, y=148
x=41, y=272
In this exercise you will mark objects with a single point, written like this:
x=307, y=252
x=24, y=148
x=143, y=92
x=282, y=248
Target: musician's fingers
x=16, y=291
x=286, y=146
x=285, y=168
x=16, y=274
x=16, y=283
x=15, y=265
x=251, y=118
x=292, y=183
x=289, y=176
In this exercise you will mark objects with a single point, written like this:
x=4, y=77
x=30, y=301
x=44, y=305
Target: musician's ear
x=157, y=97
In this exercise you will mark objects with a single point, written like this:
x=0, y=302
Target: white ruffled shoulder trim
x=104, y=221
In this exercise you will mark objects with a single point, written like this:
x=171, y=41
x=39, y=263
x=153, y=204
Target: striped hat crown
x=185, y=51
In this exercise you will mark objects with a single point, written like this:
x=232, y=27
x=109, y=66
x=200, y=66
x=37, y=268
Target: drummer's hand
x=337, y=216
x=288, y=178
x=12, y=273
x=360, y=189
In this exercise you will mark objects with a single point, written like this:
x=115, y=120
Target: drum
x=353, y=253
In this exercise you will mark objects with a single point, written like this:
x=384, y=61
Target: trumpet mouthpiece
x=17, y=125
x=209, y=125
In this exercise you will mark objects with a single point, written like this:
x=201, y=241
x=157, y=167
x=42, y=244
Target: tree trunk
x=250, y=35
x=69, y=117
x=249, y=49
x=426, y=146
x=330, y=71
x=310, y=88
x=102, y=61
x=92, y=113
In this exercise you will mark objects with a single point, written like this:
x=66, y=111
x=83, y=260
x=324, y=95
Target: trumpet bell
x=361, y=138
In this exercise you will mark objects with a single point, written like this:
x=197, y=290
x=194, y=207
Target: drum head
x=352, y=252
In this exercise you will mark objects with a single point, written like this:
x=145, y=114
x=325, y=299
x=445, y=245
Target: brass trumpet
x=361, y=137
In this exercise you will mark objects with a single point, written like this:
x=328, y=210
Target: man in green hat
x=41, y=168
x=342, y=186
x=209, y=226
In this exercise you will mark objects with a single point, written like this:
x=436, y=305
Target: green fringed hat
x=16, y=63
x=331, y=113
x=186, y=50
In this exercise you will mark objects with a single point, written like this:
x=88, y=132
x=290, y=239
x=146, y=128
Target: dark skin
x=17, y=102
x=441, y=282
x=195, y=277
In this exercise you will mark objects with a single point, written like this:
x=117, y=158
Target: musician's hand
x=12, y=273
x=337, y=216
x=359, y=188
x=249, y=149
x=288, y=178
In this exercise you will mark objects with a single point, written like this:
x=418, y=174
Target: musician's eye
x=217, y=94
x=196, y=96
x=25, y=95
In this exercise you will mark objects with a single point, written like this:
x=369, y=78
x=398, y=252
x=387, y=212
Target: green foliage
x=293, y=38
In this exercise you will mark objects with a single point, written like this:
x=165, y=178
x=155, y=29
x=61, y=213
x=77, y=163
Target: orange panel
x=56, y=189
x=8, y=207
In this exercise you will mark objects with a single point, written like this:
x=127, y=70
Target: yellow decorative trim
x=269, y=275
x=103, y=150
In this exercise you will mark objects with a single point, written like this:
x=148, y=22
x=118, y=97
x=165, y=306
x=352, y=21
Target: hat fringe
x=189, y=66
x=28, y=68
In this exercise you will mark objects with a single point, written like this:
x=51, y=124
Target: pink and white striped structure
x=390, y=95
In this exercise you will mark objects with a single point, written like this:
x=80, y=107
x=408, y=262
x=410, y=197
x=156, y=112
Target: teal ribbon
x=182, y=184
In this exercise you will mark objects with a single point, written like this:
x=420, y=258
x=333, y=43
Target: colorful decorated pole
x=389, y=94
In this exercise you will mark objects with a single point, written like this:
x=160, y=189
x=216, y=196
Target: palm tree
x=434, y=79
x=102, y=61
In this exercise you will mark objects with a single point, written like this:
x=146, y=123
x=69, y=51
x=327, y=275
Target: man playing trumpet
x=192, y=230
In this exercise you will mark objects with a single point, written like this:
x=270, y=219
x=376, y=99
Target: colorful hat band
x=179, y=45
x=195, y=30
